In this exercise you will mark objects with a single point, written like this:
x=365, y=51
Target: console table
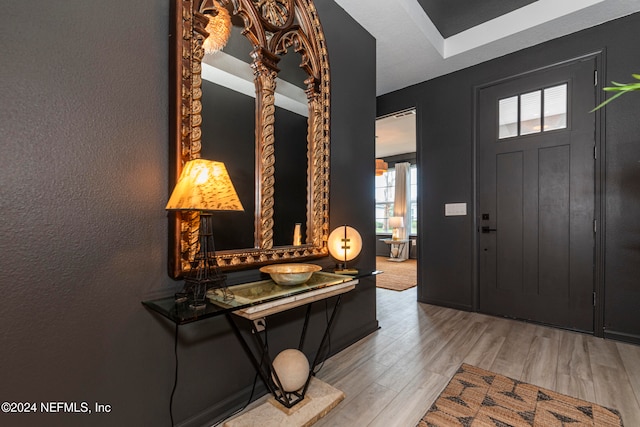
x=254, y=302
x=396, y=247
x=253, y=297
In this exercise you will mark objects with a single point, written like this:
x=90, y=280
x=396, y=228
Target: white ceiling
x=396, y=134
x=410, y=49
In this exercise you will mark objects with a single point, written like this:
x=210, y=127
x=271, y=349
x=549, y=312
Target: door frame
x=412, y=105
x=599, y=188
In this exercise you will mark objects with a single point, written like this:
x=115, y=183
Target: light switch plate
x=455, y=209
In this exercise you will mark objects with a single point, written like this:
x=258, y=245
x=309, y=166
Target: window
x=385, y=194
x=533, y=112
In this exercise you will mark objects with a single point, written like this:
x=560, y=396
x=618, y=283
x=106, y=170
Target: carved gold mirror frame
x=272, y=27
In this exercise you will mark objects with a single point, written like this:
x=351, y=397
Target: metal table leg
x=266, y=371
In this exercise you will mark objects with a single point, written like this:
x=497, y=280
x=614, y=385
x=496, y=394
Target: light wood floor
x=392, y=376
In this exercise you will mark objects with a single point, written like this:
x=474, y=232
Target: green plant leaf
x=620, y=88
x=607, y=101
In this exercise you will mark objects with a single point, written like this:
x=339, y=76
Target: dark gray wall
x=83, y=236
x=445, y=155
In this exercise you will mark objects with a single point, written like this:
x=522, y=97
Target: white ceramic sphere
x=292, y=368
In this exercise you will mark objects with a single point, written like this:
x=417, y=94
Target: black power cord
x=175, y=378
x=255, y=381
x=175, y=385
x=253, y=389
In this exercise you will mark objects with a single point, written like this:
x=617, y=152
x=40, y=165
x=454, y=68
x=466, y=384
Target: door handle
x=486, y=229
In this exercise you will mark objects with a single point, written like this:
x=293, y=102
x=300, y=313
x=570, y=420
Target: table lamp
x=344, y=244
x=204, y=186
x=396, y=223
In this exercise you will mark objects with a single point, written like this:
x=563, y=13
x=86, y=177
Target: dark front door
x=536, y=197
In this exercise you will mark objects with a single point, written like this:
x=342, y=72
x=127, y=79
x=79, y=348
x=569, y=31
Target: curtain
x=402, y=201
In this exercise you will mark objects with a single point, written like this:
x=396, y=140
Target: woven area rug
x=396, y=276
x=475, y=397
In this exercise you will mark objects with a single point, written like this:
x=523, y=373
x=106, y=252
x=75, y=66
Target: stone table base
x=319, y=400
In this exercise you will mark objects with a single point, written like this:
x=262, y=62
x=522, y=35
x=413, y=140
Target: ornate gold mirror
x=273, y=28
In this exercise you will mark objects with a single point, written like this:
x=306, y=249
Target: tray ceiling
x=418, y=40
x=455, y=16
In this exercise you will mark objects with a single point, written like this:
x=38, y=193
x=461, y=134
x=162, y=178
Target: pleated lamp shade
x=204, y=185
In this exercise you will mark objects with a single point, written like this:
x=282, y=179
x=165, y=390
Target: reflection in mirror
x=228, y=99
x=228, y=135
x=276, y=146
x=232, y=145
x=290, y=189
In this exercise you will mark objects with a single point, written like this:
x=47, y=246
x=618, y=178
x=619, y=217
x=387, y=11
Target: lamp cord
x=253, y=389
x=175, y=378
x=255, y=381
x=175, y=381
